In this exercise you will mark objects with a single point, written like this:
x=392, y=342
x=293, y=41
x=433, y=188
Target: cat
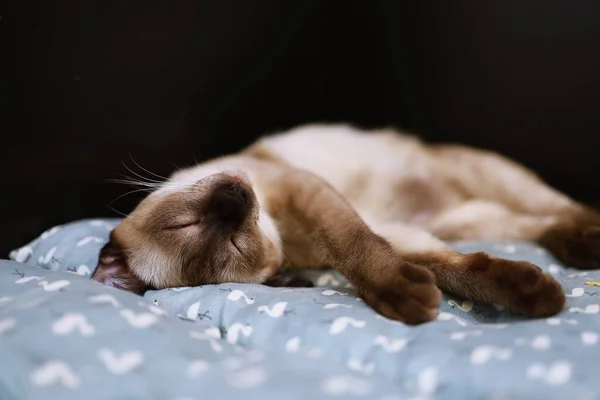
x=379, y=206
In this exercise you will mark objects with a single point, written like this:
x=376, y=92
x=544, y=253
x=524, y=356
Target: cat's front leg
x=391, y=285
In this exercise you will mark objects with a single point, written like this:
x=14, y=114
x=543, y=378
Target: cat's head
x=187, y=234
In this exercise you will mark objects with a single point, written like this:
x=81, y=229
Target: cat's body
x=374, y=205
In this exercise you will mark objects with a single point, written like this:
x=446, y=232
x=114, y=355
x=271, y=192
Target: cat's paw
x=525, y=289
x=575, y=242
x=407, y=293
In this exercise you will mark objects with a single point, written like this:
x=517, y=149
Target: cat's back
x=381, y=172
x=343, y=154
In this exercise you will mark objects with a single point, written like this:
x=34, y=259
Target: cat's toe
x=527, y=290
x=408, y=294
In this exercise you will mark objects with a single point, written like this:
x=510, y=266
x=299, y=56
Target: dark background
x=86, y=83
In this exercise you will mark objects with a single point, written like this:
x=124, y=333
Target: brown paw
x=575, y=242
x=525, y=289
x=406, y=293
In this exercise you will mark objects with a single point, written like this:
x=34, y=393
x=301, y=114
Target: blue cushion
x=64, y=336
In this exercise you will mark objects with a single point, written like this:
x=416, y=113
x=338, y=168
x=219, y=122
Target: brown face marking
x=207, y=233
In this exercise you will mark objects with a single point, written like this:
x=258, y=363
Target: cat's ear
x=112, y=270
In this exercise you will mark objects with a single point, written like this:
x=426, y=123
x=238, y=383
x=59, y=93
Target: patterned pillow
x=64, y=336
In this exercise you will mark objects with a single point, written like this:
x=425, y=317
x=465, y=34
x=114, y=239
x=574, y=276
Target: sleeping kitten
x=377, y=206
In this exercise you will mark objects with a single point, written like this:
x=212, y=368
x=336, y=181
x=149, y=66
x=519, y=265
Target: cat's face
x=188, y=235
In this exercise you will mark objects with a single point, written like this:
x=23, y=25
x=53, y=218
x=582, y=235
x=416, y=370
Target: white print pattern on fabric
x=461, y=335
x=54, y=286
x=120, y=364
x=28, y=279
x=484, y=354
x=357, y=365
x=73, y=322
x=331, y=306
x=576, y=292
x=7, y=324
x=104, y=299
x=23, y=254
x=197, y=368
x=83, y=270
x=48, y=257
x=340, y=324
x=589, y=309
x=89, y=239
x=248, y=378
x=557, y=373
x=589, y=338
x=238, y=330
x=276, y=311
x=215, y=344
x=345, y=386
x=62, y=333
x=55, y=373
x=139, y=320
x=390, y=345
x=293, y=345
x=238, y=294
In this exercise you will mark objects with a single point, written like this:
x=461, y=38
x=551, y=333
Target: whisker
x=130, y=192
x=156, y=185
x=126, y=181
x=114, y=210
x=138, y=175
x=164, y=178
x=149, y=182
x=154, y=182
x=173, y=164
x=132, y=182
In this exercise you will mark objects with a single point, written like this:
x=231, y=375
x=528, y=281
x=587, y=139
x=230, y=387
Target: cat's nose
x=235, y=193
x=230, y=204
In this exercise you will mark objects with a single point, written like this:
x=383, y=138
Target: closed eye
x=182, y=225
